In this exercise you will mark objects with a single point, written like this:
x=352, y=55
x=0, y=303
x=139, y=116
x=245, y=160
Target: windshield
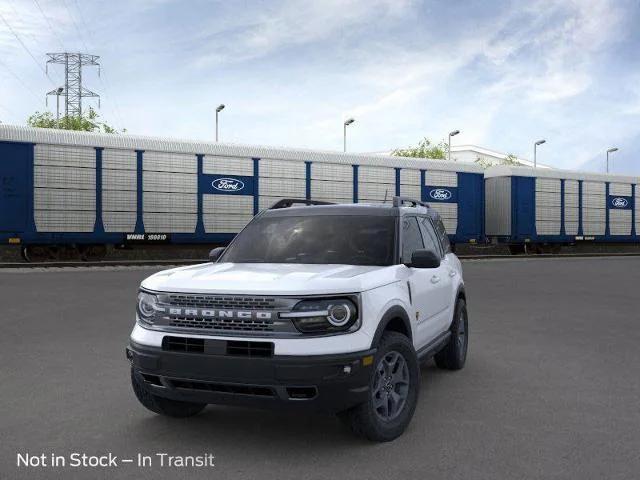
x=349, y=240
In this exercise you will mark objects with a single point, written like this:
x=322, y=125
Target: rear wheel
x=454, y=355
x=163, y=406
x=393, y=392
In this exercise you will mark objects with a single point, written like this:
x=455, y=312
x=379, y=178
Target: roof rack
x=400, y=201
x=289, y=202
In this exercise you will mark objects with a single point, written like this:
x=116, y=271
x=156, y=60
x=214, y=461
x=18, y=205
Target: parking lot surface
x=550, y=389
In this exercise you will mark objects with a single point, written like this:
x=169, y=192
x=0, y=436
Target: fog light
x=129, y=354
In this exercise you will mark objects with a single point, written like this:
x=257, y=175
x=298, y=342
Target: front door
x=429, y=286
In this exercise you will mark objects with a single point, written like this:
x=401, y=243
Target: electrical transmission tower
x=73, y=90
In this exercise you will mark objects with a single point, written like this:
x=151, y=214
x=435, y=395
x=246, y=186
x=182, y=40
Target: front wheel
x=454, y=355
x=393, y=392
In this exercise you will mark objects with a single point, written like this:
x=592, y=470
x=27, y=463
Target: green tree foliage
x=510, y=159
x=88, y=122
x=425, y=149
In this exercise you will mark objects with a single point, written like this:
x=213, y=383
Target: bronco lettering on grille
x=208, y=313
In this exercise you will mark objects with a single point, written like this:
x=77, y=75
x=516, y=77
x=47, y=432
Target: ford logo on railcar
x=619, y=202
x=440, y=194
x=228, y=184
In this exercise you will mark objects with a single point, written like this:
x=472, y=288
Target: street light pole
x=59, y=90
x=218, y=110
x=535, y=146
x=344, y=133
x=451, y=134
x=611, y=150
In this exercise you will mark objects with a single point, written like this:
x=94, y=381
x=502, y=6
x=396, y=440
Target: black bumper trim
x=329, y=383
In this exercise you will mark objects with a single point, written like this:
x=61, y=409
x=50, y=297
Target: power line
x=26, y=48
x=26, y=87
x=75, y=25
x=105, y=83
x=49, y=25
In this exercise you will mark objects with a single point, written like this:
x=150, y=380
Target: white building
x=471, y=153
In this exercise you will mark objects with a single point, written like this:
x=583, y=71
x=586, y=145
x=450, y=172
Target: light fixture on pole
x=59, y=90
x=611, y=150
x=451, y=134
x=344, y=135
x=218, y=110
x=535, y=152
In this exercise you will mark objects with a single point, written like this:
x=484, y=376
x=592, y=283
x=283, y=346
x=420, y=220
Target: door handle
x=452, y=273
x=435, y=279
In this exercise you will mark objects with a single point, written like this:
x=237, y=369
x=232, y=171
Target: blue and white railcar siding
x=77, y=187
x=559, y=206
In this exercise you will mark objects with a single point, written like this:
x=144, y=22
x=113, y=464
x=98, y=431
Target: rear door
x=14, y=159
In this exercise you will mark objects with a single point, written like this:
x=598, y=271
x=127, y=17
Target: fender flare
x=460, y=293
x=392, y=313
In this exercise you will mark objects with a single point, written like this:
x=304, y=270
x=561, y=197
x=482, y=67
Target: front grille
x=228, y=324
x=220, y=314
x=250, y=349
x=183, y=344
x=224, y=388
x=222, y=302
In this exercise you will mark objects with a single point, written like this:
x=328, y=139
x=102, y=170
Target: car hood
x=271, y=278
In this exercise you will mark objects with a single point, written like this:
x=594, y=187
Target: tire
x=454, y=354
x=368, y=419
x=164, y=406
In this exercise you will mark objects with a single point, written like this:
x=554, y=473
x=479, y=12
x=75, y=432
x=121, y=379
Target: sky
x=505, y=73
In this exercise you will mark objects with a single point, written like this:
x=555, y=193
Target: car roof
x=355, y=209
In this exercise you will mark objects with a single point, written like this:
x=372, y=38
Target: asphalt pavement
x=550, y=389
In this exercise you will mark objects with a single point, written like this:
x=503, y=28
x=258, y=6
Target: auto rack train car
x=539, y=210
x=83, y=191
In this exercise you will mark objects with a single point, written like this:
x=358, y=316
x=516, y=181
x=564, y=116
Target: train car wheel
x=517, y=249
x=38, y=253
x=92, y=253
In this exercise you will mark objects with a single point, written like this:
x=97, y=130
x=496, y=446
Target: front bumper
x=326, y=383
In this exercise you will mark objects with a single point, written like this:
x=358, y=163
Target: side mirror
x=424, y=259
x=214, y=254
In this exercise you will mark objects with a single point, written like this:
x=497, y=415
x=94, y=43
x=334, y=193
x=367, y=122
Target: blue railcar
x=89, y=190
x=543, y=209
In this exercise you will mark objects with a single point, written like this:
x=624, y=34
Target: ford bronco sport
x=320, y=306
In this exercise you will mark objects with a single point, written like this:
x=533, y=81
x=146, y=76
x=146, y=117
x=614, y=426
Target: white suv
x=323, y=307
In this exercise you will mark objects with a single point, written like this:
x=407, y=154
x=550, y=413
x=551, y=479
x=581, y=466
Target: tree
x=510, y=159
x=88, y=122
x=425, y=149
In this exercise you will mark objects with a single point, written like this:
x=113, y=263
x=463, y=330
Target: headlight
x=327, y=315
x=147, y=306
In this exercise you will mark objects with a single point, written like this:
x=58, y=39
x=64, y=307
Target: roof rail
x=289, y=202
x=400, y=201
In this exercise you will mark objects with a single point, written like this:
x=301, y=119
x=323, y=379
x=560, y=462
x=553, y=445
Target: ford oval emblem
x=619, y=202
x=440, y=194
x=228, y=184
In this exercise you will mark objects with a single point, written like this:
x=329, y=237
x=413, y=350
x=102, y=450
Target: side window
x=431, y=241
x=411, y=238
x=442, y=234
